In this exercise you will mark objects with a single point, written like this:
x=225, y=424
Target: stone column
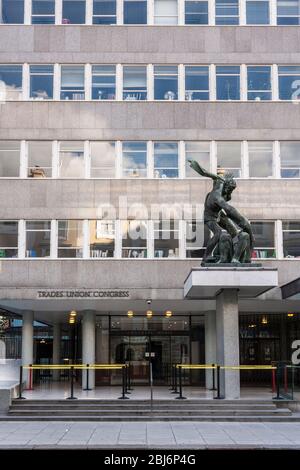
x=27, y=344
x=56, y=349
x=210, y=346
x=88, y=346
x=227, y=320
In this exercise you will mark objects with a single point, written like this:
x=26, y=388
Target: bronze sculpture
x=232, y=240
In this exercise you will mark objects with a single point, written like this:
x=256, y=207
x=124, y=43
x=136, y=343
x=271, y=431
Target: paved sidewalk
x=166, y=435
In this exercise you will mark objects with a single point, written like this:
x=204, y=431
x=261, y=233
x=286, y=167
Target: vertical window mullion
x=181, y=241
x=27, y=12
x=120, y=16
x=279, y=239
x=118, y=159
x=21, y=239
x=243, y=83
x=23, y=159
x=276, y=160
x=275, y=82
x=26, y=82
x=150, y=12
x=150, y=160
x=150, y=237
x=211, y=12
x=181, y=159
x=55, y=159
x=212, y=83
x=242, y=9
x=86, y=239
x=118, y=239
x=180, y=6
x=87, y=159
x=273, y=12
x=89, y=12
x=58, y=11
x=88, y=82
x=53, y=240
x=119, y=82
x=181, y=82
x=56, y=82
x=245, y=160
x=150, y=82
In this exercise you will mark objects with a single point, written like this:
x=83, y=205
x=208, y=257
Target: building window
x=199, y=151
x=72, y=82
x=9, y=159
x=103, y=82
x=260, y=159
x=41, y=82
x=104, y=12
x=71, y=160
x=291, y=239
x=166, y=238
x=259, y=83
x=12, y=11
x=227, y=12
x=43, y=12
x=196, y=12
x=197, y=236
x=289, y=82
x=229, y=158
x=103, y=160
x=165, y=160
x=73, y=12
x=165, y=12
x=134, y=83
x=135, y=11
x=38, y=238
x=257, y=12
x=134, y=161
x=39, y=159
x=264, y=240
x=10, y=82
x=228, y=82
x=165, y=82
x=8, y=239
x=288, y=12
x=134, y=239
x=196, y=83
x=290, y=159
x=102, y=238
x=70, y=238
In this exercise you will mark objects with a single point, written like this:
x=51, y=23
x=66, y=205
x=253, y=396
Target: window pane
x=10, y=82
x=288, y=12
x=72, y=83
x=70, y=238
x=71, y=160
x=134, y=239
x=103, y=159
x=73, y=12
x=257, y=12
x=196, y=83
x=289, y=82
x=197, y=236
x=199, y=151
x=102, y=238
x=165, y=160
x=41, y=82
x=291, y=239
x=260, y=159
x=38, y=238
x=264, y=240
x=104, y=12
x=290, y=159
x=166, y=239
x=228, y=82
x=165, y=82
x=229, y=158
x=43, y=12
x=9, y=159
x=12, y=11
x=103, y=82
x=196, y=12
x=135, y=11
x=227, y=12
x=165, y=12
x=259, y=83
x=134, y=83
x=39, y=159
x=8, y=239
x=134, y=159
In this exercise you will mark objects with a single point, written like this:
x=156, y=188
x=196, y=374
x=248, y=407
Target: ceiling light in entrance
x=149, y=313
x=130, y=314
x=73, y=313
x=290, y=314
x=168, y=313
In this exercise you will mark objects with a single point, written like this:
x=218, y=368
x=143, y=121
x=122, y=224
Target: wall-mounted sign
x=82, y=294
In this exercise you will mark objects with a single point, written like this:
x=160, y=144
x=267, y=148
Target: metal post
x=71, y=397
x=218, y=397
x=180, y=386
x=175, y=380
x=127, y=379
x=213, y=379
x=278, y=397
x=123, y=397
x=151, y=384
x=20, y=397
x=87, y=378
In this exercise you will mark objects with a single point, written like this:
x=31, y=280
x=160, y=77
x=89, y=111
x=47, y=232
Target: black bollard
x=123, y=397
x=71, y=397
x=87, y=388
x=180, y=386
x=20, y=397
x=213, y=379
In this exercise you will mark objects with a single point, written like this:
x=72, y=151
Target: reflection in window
x=10, y=82
x=134, y=239
x=9, y=159
x=43, y=12
x=264, y=240
x=199, y=151
x=134, y=161
x=228, y=82
x=38, y=238
x=103, y=82
x=70, y=238
x=229, y=158
x=291, y=239
x=166, y=239
x=8, y=239
x=165, y=160
x=227, y=12
x=257, y=11
x=259, y=83
x=39, y=159
x=289, y=82
x=104, y=12
x=165, y=12
x=71, y=160
x=290, y=159
x=196, y=12
x=197, y=236
x=288, y=12
x=135, y=11
x=102, y=238
x=12, y=11
x=73, y=12
x=260, y=159
x=41, y=82
x=165, y=82
x=134, y=83
x=196, y=83
x=72, y=82
x=103, y=159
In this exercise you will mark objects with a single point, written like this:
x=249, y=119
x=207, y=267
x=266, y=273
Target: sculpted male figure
x=232, y=239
